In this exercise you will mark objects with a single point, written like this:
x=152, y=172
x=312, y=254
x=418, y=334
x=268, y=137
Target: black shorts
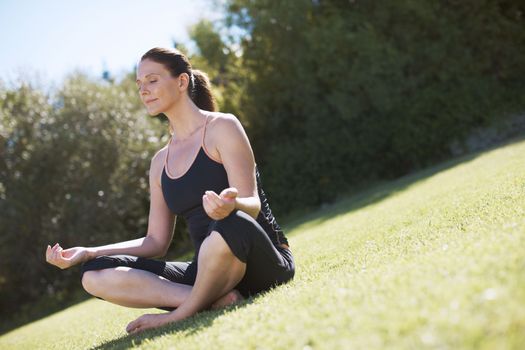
x=267, y=265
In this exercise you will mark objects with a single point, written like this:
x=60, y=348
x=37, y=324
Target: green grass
x=433, y=260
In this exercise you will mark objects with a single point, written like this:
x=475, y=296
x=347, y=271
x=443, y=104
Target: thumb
x=229, y=193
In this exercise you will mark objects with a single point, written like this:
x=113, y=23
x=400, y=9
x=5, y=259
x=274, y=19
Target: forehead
x=147, y=67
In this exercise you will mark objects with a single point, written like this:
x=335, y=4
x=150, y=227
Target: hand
x=147, y=321
x=219, y=206
x=66, y=258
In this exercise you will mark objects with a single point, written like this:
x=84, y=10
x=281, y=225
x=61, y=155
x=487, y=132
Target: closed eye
x=151, y=82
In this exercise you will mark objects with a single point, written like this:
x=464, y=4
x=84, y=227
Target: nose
x=142, y=90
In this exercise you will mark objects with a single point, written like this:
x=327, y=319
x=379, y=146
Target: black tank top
x=183, y=195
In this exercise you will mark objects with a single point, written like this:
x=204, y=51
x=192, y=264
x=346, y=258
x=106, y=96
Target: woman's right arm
x=161, y=224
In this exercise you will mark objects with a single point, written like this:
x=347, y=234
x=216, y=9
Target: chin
x=153, y=111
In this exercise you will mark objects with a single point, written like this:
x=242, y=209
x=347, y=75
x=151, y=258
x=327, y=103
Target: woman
x=206, y=173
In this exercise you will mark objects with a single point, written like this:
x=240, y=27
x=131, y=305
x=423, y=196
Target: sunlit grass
x=434, y=260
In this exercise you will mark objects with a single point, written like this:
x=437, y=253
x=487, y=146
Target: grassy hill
x=432, y=260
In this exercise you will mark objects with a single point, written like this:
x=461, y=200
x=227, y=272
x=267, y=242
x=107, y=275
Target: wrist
x=91, y=253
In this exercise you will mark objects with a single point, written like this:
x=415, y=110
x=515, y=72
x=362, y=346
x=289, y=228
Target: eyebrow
x=146, y=76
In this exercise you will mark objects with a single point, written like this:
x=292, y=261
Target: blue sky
x=49, y=38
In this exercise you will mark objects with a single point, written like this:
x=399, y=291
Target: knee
x=215, y=244
x=90, y=281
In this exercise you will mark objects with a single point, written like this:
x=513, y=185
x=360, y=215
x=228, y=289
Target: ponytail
x=200, y=92
x=199, y=88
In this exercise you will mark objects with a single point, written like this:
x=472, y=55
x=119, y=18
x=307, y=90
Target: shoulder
x=224, y=124
x=157, y=163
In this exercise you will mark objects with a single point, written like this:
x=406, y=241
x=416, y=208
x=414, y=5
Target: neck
x=184, y=118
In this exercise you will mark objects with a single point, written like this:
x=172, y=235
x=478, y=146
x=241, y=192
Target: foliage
x=432, y=260
x=341, y=92
x=216, y=56
x=74, y=170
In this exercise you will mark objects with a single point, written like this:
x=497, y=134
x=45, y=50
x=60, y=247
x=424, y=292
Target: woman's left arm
x=231, y=144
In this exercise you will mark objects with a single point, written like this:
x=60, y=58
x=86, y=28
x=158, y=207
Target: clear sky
x=49, y=38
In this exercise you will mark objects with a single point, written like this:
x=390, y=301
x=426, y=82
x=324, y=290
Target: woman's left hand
x=219, y=206
x=147, y=321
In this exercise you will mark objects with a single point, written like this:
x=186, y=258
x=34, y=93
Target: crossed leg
x=219, y=271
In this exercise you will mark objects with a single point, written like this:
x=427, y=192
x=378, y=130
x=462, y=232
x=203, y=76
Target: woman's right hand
x=68, y=257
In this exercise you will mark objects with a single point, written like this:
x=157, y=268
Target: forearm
x=249, y=205
x=144, y=247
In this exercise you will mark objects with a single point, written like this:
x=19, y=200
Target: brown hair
x=199, y=88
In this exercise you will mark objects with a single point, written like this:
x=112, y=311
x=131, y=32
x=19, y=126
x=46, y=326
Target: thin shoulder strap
x=204, y=131
x=167, y=153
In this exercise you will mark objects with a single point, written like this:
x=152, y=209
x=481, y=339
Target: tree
x=343, y=92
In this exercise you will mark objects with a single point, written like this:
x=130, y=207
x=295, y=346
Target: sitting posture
x=207, y=174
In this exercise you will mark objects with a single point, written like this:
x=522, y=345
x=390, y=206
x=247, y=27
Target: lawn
x=432, y=260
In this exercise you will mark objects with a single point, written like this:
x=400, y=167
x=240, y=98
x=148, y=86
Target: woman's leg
x=219, y=271
x=138, y=282
x=132, y=287
x=132, y=292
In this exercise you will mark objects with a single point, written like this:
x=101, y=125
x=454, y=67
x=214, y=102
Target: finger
x=212, y=205
x=55, y=248
x=211, y=193
x=221, y=207
x=208, y=207
x=229, y=193
x=205, y=203
x=56, y=255
x=211, y=209
x=48, y=252
x=215, y=199
x=215, y=203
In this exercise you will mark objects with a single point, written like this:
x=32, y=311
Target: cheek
x=170, y=96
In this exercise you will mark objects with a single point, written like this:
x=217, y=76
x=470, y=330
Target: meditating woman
x=207, y=174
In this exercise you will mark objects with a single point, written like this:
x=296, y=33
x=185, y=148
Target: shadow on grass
x=39, y=310
x=376, y=192
x=187, y=327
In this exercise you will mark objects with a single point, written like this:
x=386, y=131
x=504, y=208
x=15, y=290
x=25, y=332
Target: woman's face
x=159, y=91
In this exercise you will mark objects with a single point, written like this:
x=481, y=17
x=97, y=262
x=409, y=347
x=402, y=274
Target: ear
x=184, y=80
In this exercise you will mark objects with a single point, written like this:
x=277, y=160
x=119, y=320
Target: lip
x=150, y=100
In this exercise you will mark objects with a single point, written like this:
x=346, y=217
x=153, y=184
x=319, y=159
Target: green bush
x=74, y=170
x=343, y=92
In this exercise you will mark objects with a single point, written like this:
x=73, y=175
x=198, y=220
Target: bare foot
x=228, y=299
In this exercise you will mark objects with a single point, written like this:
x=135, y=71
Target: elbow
x=161, y=252
x=157, y=249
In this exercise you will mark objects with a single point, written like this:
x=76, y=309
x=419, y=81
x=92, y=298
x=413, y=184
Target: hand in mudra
x=64, y=258
x=219, y=206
